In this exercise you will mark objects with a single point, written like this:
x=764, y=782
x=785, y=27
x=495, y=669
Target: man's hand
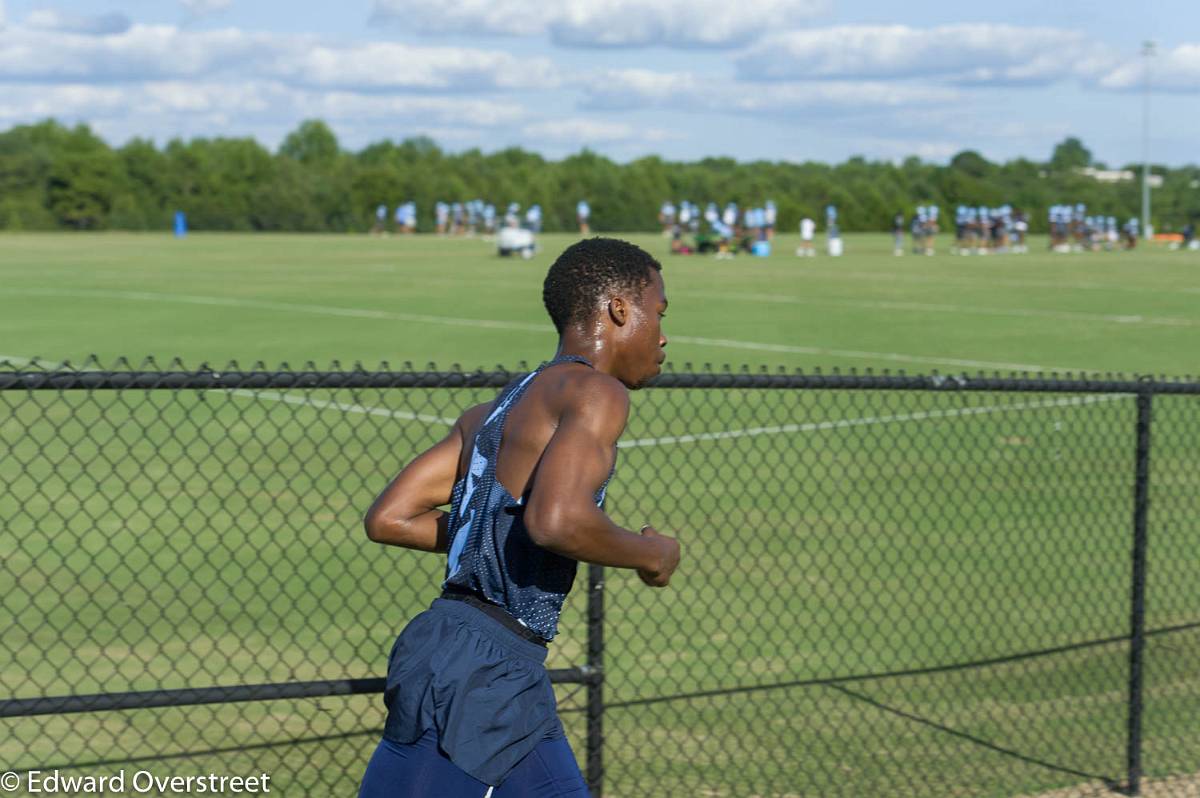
x=668, y=559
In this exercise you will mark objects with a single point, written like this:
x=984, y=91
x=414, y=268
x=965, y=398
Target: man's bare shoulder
x=597, y=400
x=471, y=419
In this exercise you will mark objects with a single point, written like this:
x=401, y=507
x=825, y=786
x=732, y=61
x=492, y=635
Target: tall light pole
x=1147, y=53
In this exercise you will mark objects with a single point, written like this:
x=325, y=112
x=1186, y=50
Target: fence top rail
x=34, y=376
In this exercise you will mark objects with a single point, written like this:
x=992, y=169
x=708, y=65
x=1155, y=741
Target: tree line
x=55, y=177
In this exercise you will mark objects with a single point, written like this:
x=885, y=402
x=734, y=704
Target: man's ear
x=618, y=311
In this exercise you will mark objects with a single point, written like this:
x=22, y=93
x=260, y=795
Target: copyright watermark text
x=127, y=782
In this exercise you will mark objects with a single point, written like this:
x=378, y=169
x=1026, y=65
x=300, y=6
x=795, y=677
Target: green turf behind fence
x=316, y=297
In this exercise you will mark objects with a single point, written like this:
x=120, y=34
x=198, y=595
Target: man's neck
x=595, y=350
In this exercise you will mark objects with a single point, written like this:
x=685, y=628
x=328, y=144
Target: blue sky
x=752, y=79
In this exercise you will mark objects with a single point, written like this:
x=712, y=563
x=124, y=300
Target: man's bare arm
x=406, y=513
x=561, y=514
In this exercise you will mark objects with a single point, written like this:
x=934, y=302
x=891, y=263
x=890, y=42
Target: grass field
x=294, y=298
x=187, y=539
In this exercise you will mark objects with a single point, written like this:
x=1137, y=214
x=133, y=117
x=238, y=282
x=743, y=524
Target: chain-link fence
x=891, y=586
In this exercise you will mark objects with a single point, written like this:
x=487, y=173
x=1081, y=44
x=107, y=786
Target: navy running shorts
x=421, y=770
x=480, y=687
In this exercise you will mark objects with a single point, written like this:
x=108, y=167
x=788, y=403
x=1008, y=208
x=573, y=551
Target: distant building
x=1119, y=176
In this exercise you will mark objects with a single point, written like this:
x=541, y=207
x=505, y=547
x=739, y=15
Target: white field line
x=853, y=275
x=866, y=421
x=713, y=436
x=304, y=401
x=345, y=407
x=929, y=307
x=285, y=307
x=724, y=343
x=859, y=354
x=1065, y=284
x=668, y=440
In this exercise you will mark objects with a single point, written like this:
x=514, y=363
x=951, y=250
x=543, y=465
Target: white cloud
x=389, y=65
x=579, y=130
x=200, y=8
x=247, y=100
x=625, y=89
x=582, y=131
x=163, y=52
x=31, y=103
x=144, y=52
x=674, y=23
x=981, y=53
x=163, y=81
x=51, y=19
x=174, y=97
x=498, y=17
x=450, y=111
x=3, y=15
x=984, y=129
x=1176, y=70
x=604, y=23
x=631, y=89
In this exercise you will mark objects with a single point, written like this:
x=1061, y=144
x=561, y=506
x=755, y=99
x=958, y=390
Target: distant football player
x=1131, y=232
x=984, y=215
x=1020, y=232
x=808, y=231
x=380, y=226
x=441, y=213
x=533, y=218
x=666, y=217
x=583, y=213
x=931, y=228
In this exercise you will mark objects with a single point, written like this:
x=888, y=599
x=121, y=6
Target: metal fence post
x=1137, y=632
x=595, y=680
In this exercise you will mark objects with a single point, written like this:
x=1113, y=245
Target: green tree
x=1070, y=154
x=58, y=177
x=971, y=163
x=84, y=179
x=312, y=144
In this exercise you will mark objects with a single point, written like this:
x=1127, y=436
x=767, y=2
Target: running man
x=471, y=712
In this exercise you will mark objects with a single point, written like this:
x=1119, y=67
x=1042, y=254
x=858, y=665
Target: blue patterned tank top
x=491, y=553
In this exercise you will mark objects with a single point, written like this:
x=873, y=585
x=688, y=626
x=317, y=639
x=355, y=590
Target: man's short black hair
x=585, y=272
